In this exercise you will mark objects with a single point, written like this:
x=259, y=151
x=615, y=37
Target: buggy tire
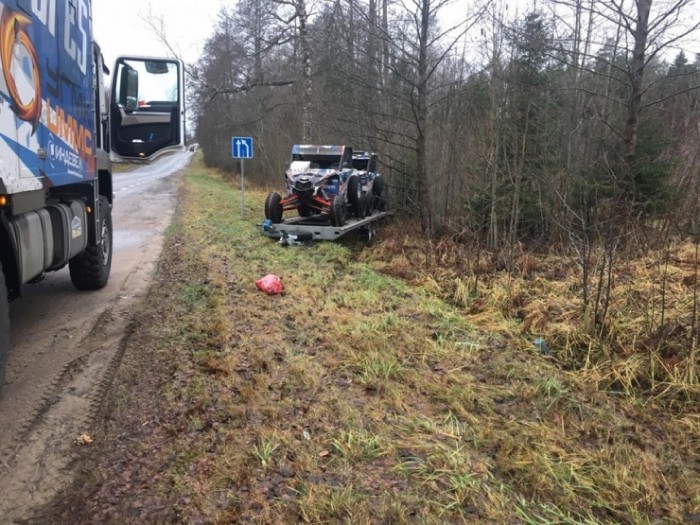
x=378, y=186
x=90, y=269
x=365, y=210
x=337, y=211
x=273, y=207
x=382, y=200
x=369, y=209
x=4, y=328
x=377, y=194
x=355, y=196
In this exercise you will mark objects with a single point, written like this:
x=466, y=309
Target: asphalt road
x=67, y=344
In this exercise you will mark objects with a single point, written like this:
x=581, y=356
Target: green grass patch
x=358, y=397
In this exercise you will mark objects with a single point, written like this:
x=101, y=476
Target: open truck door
x=147, y=108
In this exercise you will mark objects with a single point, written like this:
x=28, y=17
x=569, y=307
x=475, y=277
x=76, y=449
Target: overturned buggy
x=323, y=180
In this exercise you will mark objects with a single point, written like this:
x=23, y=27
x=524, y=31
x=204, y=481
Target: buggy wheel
x=367, y=205
x=378, y=186
x=273, y=207
x=379, y=195
x=338, y=211
x=355, y=196
x=364, y=207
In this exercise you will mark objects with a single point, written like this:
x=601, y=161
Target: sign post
x=242, y=148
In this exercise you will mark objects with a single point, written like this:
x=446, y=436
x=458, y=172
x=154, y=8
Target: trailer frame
x=297, y=230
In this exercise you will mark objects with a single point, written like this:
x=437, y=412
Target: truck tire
x=273, y=208
x=355, y=196
x=4, y=327
x=338, y=211
x=90, y=269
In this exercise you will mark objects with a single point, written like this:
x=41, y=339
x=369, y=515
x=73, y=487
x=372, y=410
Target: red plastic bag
x=270, y=284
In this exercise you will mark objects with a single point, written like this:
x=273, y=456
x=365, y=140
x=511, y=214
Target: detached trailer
x=60, y=129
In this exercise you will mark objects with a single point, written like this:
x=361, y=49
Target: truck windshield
x=155, y=84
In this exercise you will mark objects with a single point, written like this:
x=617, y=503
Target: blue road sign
x=242, y=147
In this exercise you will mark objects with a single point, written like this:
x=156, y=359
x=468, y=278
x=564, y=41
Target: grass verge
x=354, y=397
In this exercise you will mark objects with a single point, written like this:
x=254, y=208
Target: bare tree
x=651, y=27
x=418, y=49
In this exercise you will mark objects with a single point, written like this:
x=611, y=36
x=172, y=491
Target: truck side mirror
x=129, y=88
x=151, y=93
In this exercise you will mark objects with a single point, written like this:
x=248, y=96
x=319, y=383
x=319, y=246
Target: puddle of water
x=129, y=239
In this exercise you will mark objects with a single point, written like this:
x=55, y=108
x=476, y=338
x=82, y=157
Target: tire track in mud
x=69, y=346
x=68, y=408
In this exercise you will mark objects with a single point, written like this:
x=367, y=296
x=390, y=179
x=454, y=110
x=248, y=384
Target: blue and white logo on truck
x=46, y=82
x=60, y=155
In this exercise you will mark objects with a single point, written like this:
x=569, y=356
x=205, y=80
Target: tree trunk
x=640, y=34
x=424, y=190
x=372, y=75
x=257, y=42
x=351, y=30
x=385, y=40
x=519, y=167
x=306, y=85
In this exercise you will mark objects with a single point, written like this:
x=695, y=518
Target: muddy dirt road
x=66, y=344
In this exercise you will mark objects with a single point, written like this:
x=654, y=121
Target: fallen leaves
x=83, y=439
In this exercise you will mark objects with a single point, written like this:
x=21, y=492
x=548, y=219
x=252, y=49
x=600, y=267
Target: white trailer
x=318, y=228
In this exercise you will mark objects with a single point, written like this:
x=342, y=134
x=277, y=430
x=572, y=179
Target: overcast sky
x=120, y=26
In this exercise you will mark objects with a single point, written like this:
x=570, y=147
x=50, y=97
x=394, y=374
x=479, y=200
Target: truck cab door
x=147, y=108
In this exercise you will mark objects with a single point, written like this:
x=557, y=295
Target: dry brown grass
x=649, y=348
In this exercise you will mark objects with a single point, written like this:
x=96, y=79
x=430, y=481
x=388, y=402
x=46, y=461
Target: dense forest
x=567, y=125
x=570, y=129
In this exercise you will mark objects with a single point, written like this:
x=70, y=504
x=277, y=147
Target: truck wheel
x=338, y=211
x=4, y=327
x=273, y=207
x=355, y=196
x=90, y=269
